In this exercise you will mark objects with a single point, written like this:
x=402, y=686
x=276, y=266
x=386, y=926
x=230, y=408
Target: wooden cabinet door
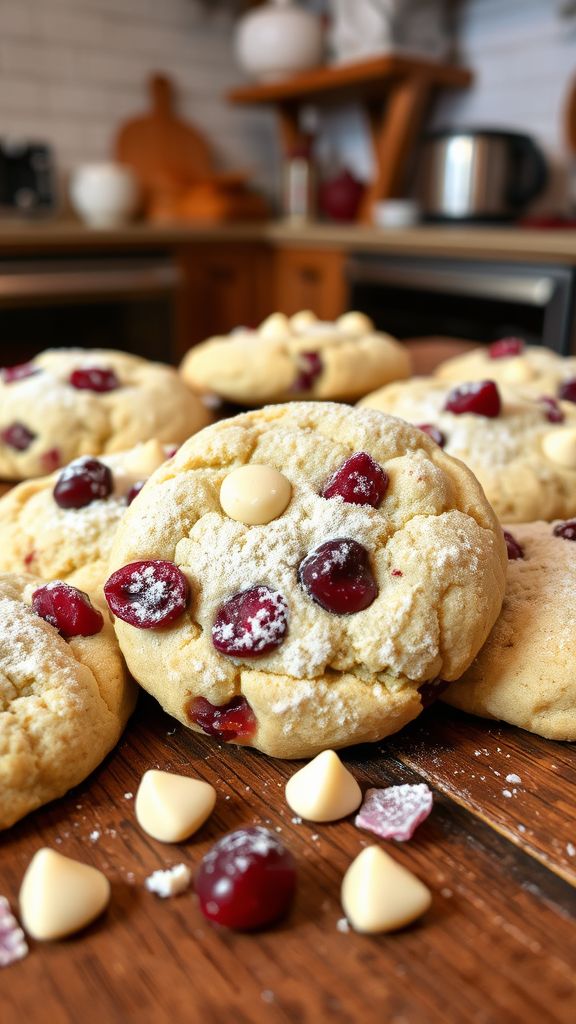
x=310, y=279
x=225, y=287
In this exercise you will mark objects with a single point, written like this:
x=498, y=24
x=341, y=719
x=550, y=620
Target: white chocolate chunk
x=324, y=790
x=302, y=320
x=255, y=494
x=276, y=327
x=560, y=447
x=355, y=323
x=379, y=895
x=517, y=370
x=172, y=807
x=59, y=896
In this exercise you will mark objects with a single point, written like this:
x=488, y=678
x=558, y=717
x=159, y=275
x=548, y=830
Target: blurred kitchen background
x=170, y=170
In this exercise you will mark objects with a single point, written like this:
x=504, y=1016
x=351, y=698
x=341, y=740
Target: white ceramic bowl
x=104, y=195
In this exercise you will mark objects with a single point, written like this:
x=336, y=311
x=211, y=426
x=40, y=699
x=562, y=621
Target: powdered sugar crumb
x=515, y=780
x=169, y=882
x=342, y=925
x=13, y=945
x=571, y=849
x=94, y=835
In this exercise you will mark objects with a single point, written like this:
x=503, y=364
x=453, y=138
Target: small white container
x=278, y=40
x=396, y=213
x=104, y=195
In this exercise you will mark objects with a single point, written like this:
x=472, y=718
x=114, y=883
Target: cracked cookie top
x=379, y=569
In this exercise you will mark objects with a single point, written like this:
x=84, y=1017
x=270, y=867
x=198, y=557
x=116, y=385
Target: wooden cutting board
x=497, y=946
x=160, y=147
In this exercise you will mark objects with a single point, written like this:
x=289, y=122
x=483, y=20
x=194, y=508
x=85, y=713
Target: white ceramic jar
x=104, y=195
x=278, y=40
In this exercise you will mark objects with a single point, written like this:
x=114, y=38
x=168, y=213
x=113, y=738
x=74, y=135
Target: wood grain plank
x=496, y=945
x=469, y=760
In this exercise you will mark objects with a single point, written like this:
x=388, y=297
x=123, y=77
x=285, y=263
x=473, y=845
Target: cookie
x=64, y=702
x=532, y=368
x=522, y=449
x=297, y=358
x=62, y=526
x=296, y=577
x=525, y=673
x=71, y=402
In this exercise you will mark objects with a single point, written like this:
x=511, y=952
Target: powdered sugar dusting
x=169, y=882
x=395, y=812
x=13, y=944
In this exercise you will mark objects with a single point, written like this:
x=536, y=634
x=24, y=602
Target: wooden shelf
x=361, y=78
x=396, y=93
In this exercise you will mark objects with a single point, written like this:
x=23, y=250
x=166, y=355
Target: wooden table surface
x=498, y=944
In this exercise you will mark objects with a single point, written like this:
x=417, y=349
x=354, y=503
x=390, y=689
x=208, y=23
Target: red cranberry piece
x=94, y=378
x=337, y=575
x=552, y=410
x=51, y=459
x=134, y=490
x=514, y=549
x=310, y=367
x=566, y=530
x=224, y=721
x=247, y=880
x=83, y=481
x=251, y=623
x=10, y=374
x=506, y=347
x=147, y=594
x=359, y=481
x=434, y=433
x=17, y=436
x=480, y=397
x=567, y=390
x=68, y=609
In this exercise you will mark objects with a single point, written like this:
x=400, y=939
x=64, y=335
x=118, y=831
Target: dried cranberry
x=567, y=390
x=480, y=397
x=247, y=880
x=506, y=347
x=566, y=530
x=434, y=433
x=359, y=481
x=251, y=623
x=17, y=436
x=94, y=378
x=310, y=367
x=51, y=459
x=552, y=410
x=134, y=491
x=147, y=594
x=430, y=691
x=514, y=549
x=68, y=609
x=83, y=481
x=337, y=575
x=10, y=374
x=224, y=721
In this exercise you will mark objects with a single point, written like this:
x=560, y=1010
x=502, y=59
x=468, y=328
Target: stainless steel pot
x=479, y=175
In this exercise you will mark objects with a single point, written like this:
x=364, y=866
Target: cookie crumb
x=13, y=945
x=94, y=835
x=571, y=849
x=514, y=779
x=507, y=794
x=342, y=925
x=296, y=820
x=521, y=828
x=169, y=882
x=128, y=796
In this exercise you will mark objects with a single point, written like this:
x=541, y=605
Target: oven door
x=464, y=299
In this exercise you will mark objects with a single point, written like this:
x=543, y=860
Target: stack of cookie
x=508, y=411
x=300, y=577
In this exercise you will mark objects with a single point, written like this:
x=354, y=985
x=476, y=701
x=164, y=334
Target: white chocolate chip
x=354, y=323
x=324, y=790
x=302, y=320
x=560, y=447
x=255, y=494
x=276, y=327
x=517, y=370
x=172, y=807
x=59, y=896
x=379, y=895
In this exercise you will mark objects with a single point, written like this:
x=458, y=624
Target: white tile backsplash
x=72, y=70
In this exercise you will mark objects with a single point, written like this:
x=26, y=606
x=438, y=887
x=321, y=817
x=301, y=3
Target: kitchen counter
x=484, y=243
